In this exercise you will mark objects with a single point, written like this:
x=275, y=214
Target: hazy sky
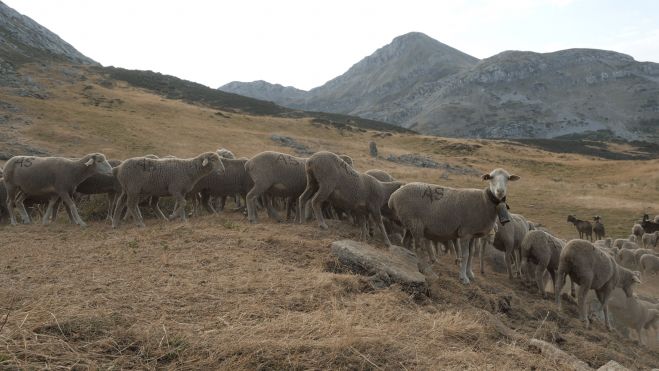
x=305, y=43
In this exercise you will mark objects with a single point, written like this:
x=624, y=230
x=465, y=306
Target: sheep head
x=498, y=180
x=98, y=163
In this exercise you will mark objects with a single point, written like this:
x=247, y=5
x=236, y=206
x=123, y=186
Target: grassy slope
x=218, y=292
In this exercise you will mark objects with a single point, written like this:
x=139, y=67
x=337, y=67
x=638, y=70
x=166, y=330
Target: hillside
x=218, y=292
x=418, y=83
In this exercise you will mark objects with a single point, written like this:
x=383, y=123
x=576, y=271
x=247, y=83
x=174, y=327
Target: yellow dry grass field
x=219, y=293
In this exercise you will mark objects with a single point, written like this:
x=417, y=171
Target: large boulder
x=385, y=266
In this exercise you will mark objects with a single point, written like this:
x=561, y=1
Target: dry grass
x=219, y=293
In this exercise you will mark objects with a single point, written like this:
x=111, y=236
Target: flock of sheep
x=420, y=216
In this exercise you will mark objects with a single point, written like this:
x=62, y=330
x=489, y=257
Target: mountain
x=24, y=40
x=422, y=84
x=284, y=95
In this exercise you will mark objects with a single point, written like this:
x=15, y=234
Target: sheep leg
x=112, y=197
x=581, y=301
x=464, y=253
x=482, y=246
x=220, y=202
x=377, y=217
x=21, y=209
x=317, y=204
x=118, y=209
x=11, y=197
x=252, y=195
x=603, y=297
x=472, y=249
x=132, y=202
x=558, y=287
x=309, y=191
x=539, y=279
x=72, y=206
x=180, y=209
x=45, y=220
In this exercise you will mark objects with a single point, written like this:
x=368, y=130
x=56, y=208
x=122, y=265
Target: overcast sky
x=305, y=43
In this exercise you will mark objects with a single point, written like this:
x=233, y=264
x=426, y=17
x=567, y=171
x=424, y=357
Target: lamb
x=649, y=240
x=508, y=238
x=56, y=177
x=591, y=268
x=543, y=250
x=637, y=230
x=447, y=214
x=141, y=176
x=381, y=175
x=648, y=264
x=634, y=313
x=331, y=178
x=231, y=181
x=648, y=225
x=598, y=228
x=276, y=174
x=584, y=227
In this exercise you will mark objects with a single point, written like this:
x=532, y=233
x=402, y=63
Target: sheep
x=656, y=217
x=637, y=230
x=331, y=178
x=275, y=174
x=626, y=258
x=648, y=263
x=584, y=227
x=621, y=241
x=56, y=177
x=633, y=313
x=543, y=250
x=102, y=183
x=591, y=268
x=649, y=240
x=225, y=153
x=607, y=243
x=233, y=180
x=598, y=228
x=508, y=238
x=141, y=176
x=648, y=225
x=381, y=175
x=447, y=214
x=638, y=253
x=347, y=159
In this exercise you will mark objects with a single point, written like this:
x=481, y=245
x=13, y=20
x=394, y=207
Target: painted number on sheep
x=433, y=194
x=287, y=160
x=24, y=162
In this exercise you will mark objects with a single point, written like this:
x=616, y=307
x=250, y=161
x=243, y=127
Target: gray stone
x=373, y=149
x=299, y=148
x=566, y=359
x=394, y=265
x=613, y=366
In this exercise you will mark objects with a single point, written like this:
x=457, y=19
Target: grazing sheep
x=621, y=241
x=222, y=183
x=637, y=230
x=591, y=268
x=626, y=258
x=331, y=178
x=649, y=240
x=381, y=175
x=633, y=313
x=445, y=214
x=638, y=253
x=56, y=177
x=225, y=153
x=543, y=250
x=508, y=239
x=648, y=264
x=584, y=227
x=648, y=225
x=277, y=175
x=141, y=176
x=598, y=228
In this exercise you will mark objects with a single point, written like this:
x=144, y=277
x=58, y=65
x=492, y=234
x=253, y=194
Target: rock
x=395, y=265
x=299, y=148
x=425, y=162
x=613, y=366
x=564, y=358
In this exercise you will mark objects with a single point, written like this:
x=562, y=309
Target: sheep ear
x=486, y=177
x=513, y=178
x=205, y=162
x=89, y=162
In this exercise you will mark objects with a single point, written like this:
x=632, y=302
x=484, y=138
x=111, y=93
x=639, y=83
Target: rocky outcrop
x=22, y=40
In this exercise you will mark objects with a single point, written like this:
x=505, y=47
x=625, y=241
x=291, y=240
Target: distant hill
x=284, y=95
x=420, y=83
x=24, y=40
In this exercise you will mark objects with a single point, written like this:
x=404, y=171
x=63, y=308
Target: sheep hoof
x=323, y=226
x=464, y=280
x=470, y=274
